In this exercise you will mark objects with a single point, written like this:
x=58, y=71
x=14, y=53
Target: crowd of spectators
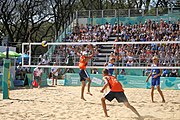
x=129, y=54
x=87, y=33
x=149, y=31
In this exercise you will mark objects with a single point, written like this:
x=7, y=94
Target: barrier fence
x=128, y=81
x=137, y=61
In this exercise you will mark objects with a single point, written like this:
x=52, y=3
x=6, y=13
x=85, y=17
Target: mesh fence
x=122, y=13
x=109, y=13
x=136, y=12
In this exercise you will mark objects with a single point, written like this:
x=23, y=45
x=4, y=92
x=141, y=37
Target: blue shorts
x=155, y=82
x=83, y=75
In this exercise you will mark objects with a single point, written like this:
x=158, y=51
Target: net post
x=30, y=54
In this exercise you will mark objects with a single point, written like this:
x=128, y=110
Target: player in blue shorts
x=155, y=73
x=111, y=64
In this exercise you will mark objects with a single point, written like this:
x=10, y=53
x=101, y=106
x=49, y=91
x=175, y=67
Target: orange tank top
x=82, y=63
x=115, y=85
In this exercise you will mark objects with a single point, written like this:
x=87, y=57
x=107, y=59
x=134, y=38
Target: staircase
x=104, y=53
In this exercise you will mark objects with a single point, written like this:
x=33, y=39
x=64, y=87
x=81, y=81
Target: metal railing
x=88, y=16
x=125, y=12
x=136, y=61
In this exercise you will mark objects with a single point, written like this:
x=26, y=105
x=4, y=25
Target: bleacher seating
x=129, y=55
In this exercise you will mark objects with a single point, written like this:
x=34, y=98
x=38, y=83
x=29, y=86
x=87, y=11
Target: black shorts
x=55, y=77
x=83, y=75
x=120, y=96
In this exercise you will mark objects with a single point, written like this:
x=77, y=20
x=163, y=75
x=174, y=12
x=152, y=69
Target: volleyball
x=44, y=43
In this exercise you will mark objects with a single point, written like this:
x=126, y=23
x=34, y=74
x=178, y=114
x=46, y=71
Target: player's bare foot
x=153, y=102
x=106, y=115
x=163, y=101
x=83, y=98
x=89, y=93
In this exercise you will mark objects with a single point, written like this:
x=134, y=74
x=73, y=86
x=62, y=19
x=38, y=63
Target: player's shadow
x=93, y=103
x=108, y=104
x=146, y=117
x=23, y=100
x=20, y=99
x=176, y=102
x=138, y=102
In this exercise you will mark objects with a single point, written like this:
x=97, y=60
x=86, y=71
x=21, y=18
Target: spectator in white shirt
x=38, y=74
x=54, y=71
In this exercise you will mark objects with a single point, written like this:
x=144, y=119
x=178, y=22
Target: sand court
x=64, y=103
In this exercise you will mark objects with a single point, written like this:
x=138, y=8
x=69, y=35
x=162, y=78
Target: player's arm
x=149, y=76
x=105, y=85
x=158, y=74
x=55, y=71
x=91, y=47
x=105, y=64
x=58, y=69
x=79, y=54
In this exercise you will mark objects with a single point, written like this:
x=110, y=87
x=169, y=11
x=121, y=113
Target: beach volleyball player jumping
x=84, y=58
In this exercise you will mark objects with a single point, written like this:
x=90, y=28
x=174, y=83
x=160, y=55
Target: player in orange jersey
x=116, y=91
x=84, y=58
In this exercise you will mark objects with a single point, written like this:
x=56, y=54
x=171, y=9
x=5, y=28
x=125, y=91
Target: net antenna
x=98, y=43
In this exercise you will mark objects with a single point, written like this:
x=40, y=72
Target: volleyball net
x=128, y=55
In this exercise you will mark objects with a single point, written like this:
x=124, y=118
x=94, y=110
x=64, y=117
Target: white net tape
x=105, y=43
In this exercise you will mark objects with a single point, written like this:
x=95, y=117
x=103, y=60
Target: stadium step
x=105, y=54
x=99, y=59
x=111, y=39
x=98, y=63
x=109, y=46
x=107, y=50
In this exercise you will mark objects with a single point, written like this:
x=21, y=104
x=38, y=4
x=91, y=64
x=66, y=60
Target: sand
x=64, y=103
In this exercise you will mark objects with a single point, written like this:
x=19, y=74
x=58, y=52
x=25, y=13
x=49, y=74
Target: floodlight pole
x=29, y=54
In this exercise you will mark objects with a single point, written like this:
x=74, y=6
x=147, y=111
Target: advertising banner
x=128, y=81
